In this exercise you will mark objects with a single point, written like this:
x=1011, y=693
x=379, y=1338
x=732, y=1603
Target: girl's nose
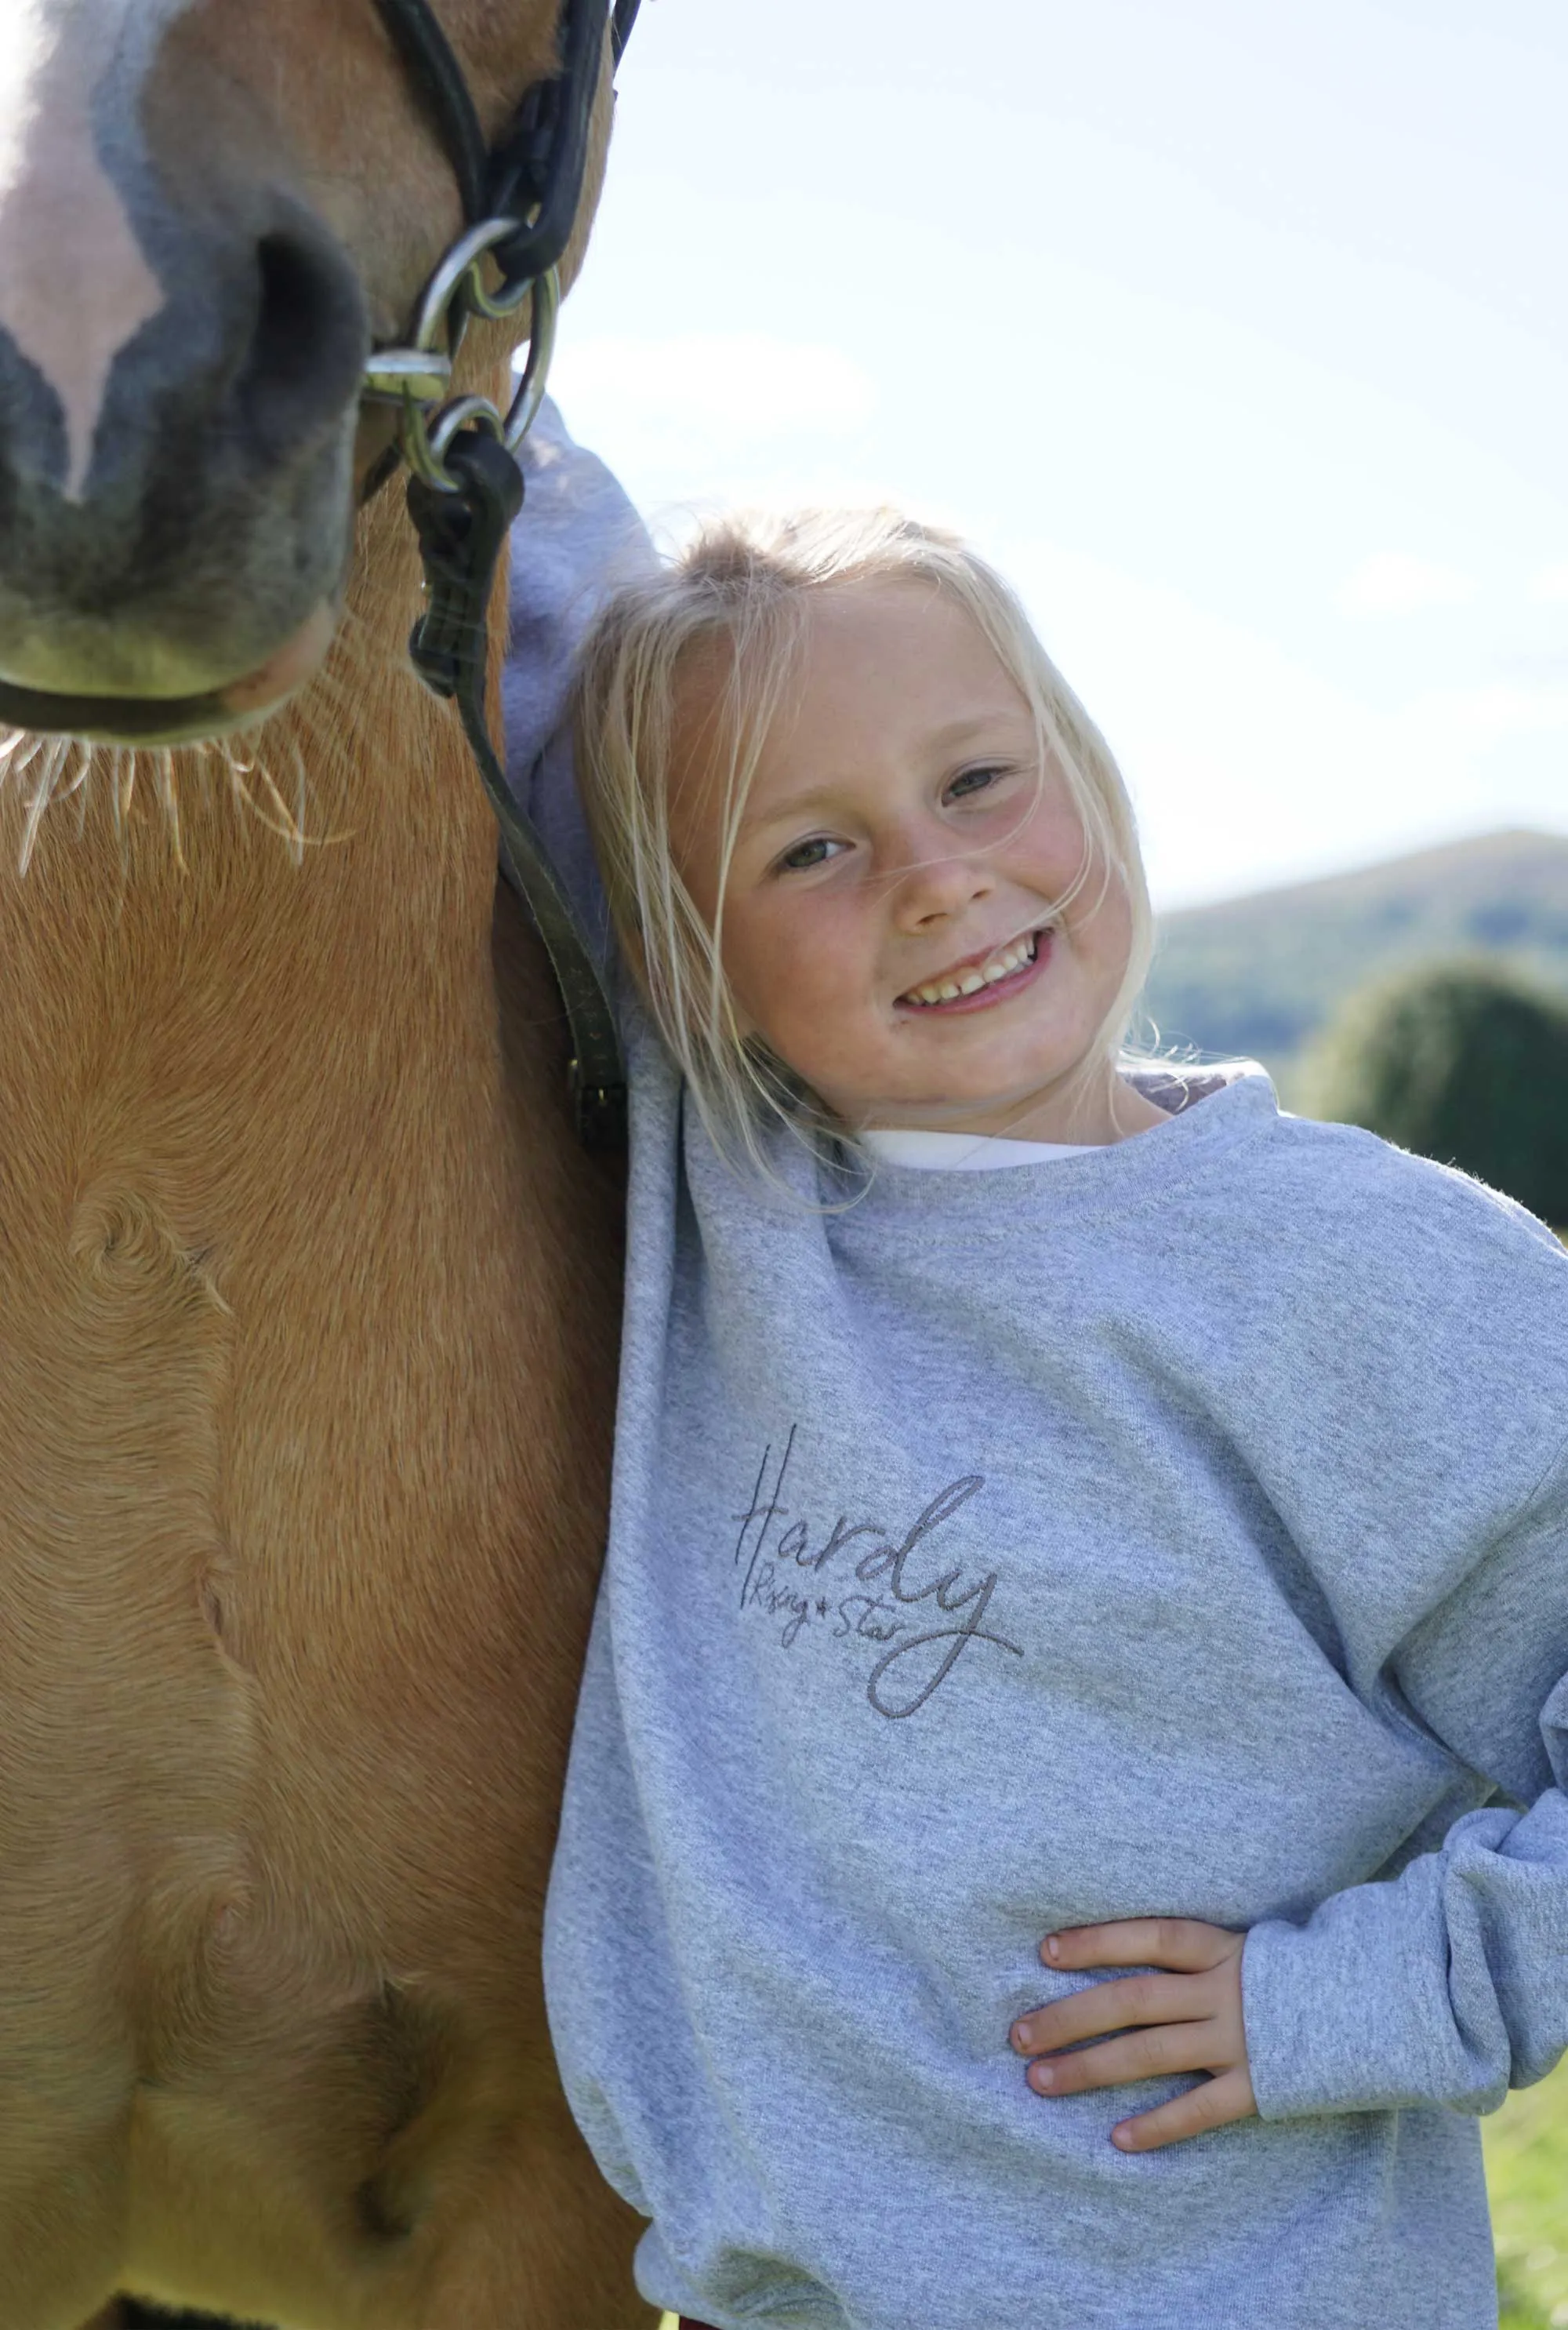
x=936, y=888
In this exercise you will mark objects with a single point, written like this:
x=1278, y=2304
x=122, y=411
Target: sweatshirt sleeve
x=1446, y=1984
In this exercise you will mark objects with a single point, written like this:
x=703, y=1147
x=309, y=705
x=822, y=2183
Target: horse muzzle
x=180, y=351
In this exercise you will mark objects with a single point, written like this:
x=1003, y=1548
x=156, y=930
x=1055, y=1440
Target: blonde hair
x=740, y=594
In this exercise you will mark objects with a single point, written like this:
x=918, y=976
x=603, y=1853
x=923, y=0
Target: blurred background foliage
x=1463, y=1062
x=1527, y=2175
x=1426, y=998
x=1263, y=976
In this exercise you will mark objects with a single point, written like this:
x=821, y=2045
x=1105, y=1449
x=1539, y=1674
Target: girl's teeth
x=1001, y=966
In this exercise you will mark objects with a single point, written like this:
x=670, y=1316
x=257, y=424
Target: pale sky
x=1235, y=331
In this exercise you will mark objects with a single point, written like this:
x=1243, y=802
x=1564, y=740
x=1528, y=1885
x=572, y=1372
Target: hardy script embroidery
x=788, y=1575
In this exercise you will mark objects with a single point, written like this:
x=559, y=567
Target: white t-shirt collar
x=967, y=1152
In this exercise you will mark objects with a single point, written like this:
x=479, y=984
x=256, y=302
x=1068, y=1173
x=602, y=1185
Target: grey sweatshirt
x=1180, y=1528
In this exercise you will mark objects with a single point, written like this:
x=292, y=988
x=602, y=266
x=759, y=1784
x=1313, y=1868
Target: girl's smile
x=983, y=980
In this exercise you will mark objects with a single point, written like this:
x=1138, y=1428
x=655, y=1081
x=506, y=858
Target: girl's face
x=889, y=921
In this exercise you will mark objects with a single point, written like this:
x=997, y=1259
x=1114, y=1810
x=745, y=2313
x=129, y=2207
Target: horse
x=309, y=1294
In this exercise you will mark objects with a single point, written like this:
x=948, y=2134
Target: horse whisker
x=291, y=828
x=78, y=785
x=169, y=792
x=42, y=794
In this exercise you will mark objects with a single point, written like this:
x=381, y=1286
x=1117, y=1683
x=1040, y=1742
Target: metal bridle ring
x=425, y=442
x=396, y=372
x=536, y=377
x=459, y=273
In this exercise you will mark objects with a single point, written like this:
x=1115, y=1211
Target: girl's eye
x=805, y=855
x=975, y=780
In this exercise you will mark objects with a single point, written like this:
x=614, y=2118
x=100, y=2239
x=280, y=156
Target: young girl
x=1069, y=1518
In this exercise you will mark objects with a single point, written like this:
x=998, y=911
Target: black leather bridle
x=520, y=199
x=536, y=172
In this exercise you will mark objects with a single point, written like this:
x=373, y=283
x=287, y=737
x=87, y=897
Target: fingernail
x=1023, y=2037
x=1053, y=1947
x=1124, y=2139
x=1042, y=2076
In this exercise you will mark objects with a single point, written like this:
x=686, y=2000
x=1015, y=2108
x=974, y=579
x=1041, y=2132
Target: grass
x=1527, y=2175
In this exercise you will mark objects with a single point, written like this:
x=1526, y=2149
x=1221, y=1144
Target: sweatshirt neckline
x=1214, y=1112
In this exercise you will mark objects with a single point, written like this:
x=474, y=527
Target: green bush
x=1462, y=1062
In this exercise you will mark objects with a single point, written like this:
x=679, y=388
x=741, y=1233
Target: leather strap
x=461, y=537
x=534, y=175
x=443, y=85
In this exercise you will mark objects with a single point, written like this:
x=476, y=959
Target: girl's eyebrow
x=941, y=740
x=814, y=797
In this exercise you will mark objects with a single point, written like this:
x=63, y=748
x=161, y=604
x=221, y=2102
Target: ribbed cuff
x=1354, y=2012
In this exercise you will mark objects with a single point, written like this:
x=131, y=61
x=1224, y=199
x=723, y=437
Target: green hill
x=1260, y=975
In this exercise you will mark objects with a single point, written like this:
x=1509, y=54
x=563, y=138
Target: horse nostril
x=308, y=347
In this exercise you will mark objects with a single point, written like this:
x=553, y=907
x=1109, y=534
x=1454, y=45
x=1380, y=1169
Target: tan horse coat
x=306, y=1381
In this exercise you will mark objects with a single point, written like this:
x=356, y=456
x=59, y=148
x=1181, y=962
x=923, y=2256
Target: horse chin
x=235, y=704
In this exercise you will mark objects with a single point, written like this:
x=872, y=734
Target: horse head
x=211, y=211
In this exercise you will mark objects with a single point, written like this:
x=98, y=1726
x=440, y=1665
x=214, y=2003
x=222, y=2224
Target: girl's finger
x=1213, y=2105
x=1113, y=2006
x=1184, y=1945
x=1136, y=2055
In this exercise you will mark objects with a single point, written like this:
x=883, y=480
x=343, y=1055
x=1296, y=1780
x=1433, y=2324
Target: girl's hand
x=1188, y=2019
